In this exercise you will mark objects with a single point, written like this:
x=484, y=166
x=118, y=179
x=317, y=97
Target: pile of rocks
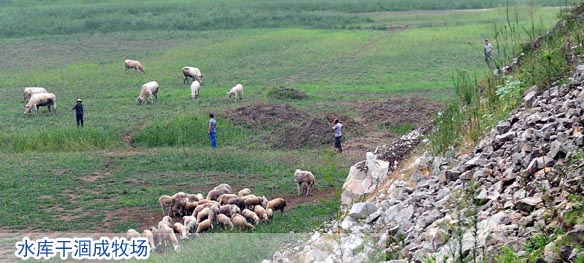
x=515, y=183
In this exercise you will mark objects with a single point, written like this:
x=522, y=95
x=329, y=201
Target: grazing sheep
x=205, y=225
x=239, y=202
x=178, y=206
x=225, y=221
x=229, y=210
x=150, y=236
x=240, y=221
x=194, y=197
x=41, y=99
x=224, y=198
x=253, y=201
x=149, y=88
x=165, y=201
x=167, y=235
x=193, y=73
x=261, y=212
x=28, y=91
x=223, y=186
x=270, y=213
x=277, y=204
x=133, y=64
x=304, y=181
x=190, y=222
x=208, y=213
x=132, y=233
x=181, y=229
x=244, y=192
x=166, y=220
x=190, y=207
x=250, y=216
x=195, y=87
x=215, y=193
x=236, y=91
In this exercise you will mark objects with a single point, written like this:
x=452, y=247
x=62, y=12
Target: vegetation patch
x=284, y=93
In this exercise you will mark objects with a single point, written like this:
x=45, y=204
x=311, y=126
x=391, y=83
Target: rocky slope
x=523, y=180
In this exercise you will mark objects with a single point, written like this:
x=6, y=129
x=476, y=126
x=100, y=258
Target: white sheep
x=236, y=91
x=150, y=236
x=167, y=234
x=250, y=216
x=261, y=212
x=132, y=233
x=240, y=221
x=28, y=91
x=41, y=99
x=133, y=64
x=166, y=220
x=190, y=222
x=195, y=87
x=149, y=88
x=229, y=210
x=244, y=192
x=193, y=73
x=215, y=193
x=225, y=221
x=181, y=229
x=304, y=181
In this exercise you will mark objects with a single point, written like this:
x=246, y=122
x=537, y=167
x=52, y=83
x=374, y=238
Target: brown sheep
x=205, y=225
x=240, y=221
x=225, y=221
x=224, y=198
x=165, y=201
x=253, y=201
x=229, y=210
x=239, y=202
x=215, y=193
x=277, y=204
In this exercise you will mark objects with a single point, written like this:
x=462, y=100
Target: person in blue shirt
x=78, y=112
x=338, y=128
x=212, y=130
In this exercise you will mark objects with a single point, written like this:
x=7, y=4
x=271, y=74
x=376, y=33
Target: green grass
x=56, y=177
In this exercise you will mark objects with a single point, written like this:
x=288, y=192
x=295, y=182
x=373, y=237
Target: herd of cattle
x=191, y=214
x=36, y=97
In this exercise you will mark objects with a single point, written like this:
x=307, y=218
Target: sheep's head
x=140, y=68
x=230, y=94
x=26, y=110
x=140, y=100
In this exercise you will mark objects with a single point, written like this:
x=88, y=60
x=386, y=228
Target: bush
x=284, y=93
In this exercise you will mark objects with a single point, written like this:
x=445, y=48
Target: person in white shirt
x=338, y=128
x=488, y=50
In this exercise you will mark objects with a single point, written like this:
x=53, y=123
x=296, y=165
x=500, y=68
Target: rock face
x=499, y=195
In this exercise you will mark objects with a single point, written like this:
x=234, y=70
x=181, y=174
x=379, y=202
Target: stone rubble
x=522, y=185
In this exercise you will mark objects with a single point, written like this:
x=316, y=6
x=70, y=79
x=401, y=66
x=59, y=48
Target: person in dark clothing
x=79, y=112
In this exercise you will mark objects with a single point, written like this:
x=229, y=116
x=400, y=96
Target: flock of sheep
x=191, y=214
x=36, y=97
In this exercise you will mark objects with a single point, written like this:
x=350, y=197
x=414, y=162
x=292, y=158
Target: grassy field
x=107, y=176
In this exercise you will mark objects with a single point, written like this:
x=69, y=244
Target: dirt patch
x=317, y=195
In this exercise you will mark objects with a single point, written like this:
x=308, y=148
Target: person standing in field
x=212, y=130
x=78, y=112
x=488, y=51
x=338, y=128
